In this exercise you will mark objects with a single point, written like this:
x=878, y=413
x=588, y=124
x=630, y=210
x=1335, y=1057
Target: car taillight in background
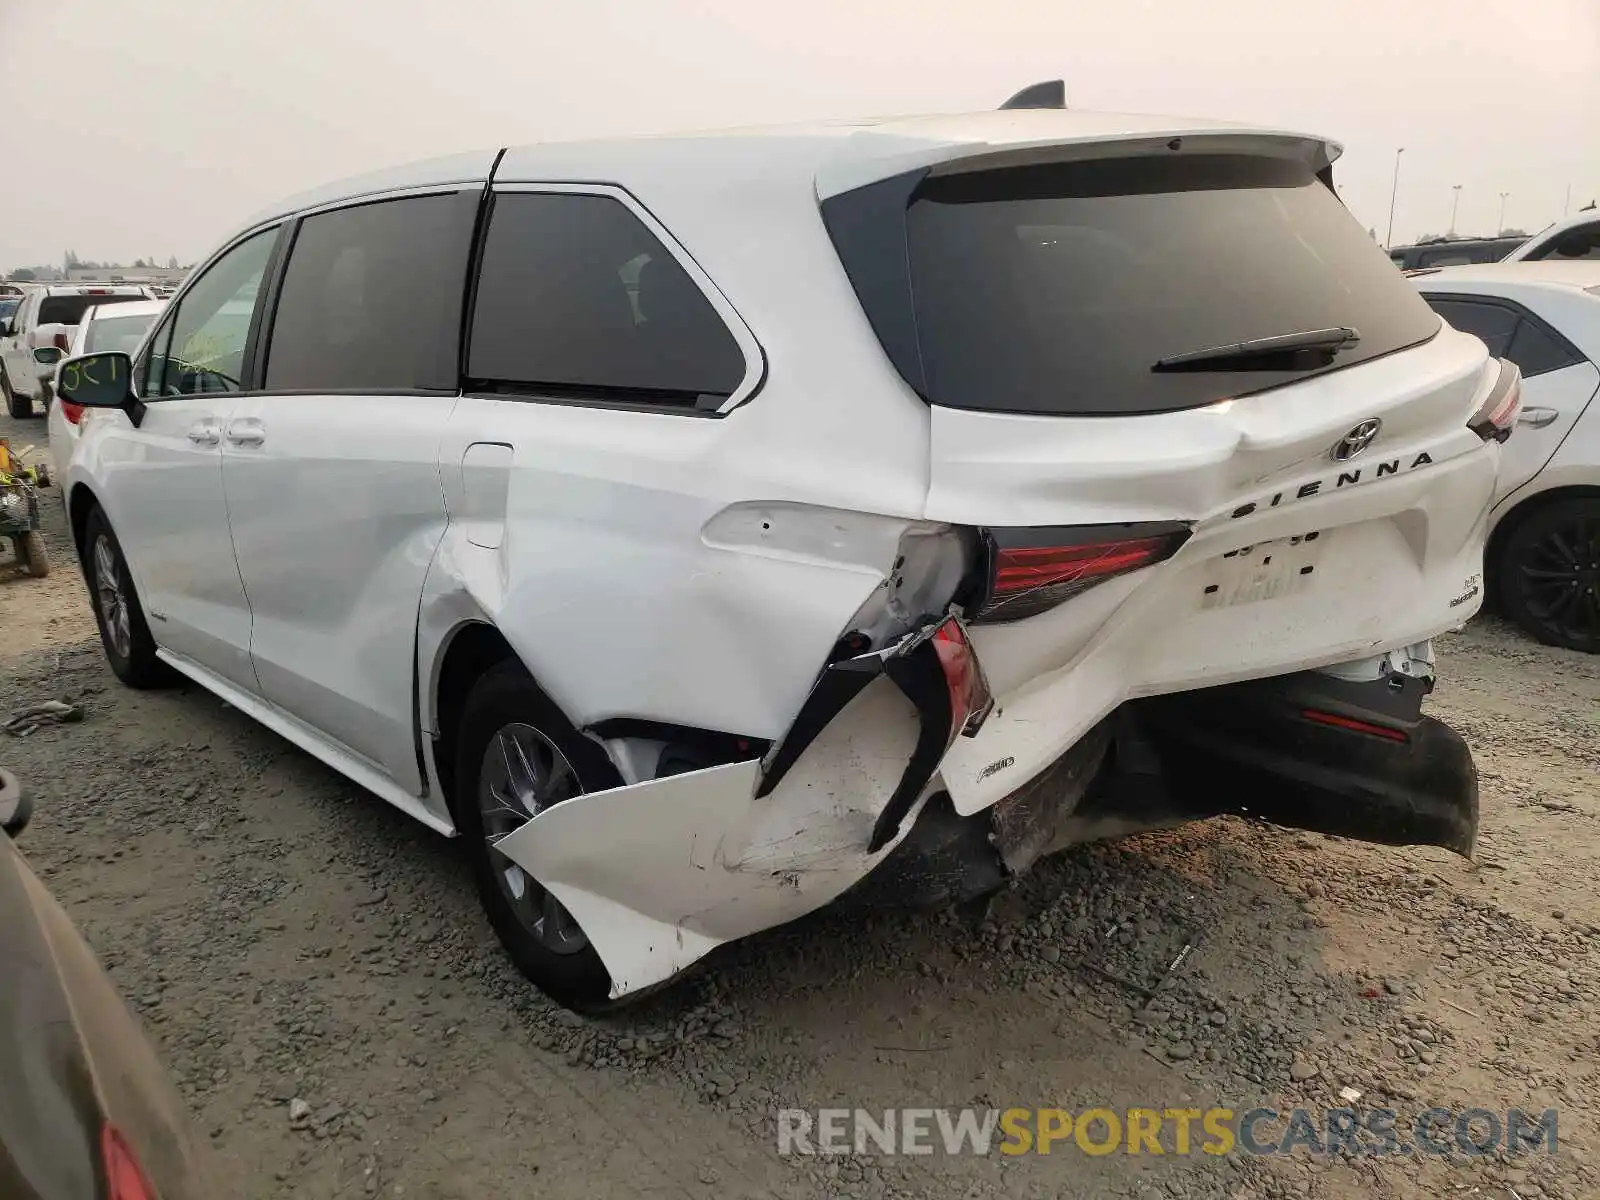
x=125, y=1178
x=1032, y=570
x=1498, y=413
x=62, y=340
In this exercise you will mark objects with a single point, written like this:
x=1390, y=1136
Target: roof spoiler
x=1052, y=93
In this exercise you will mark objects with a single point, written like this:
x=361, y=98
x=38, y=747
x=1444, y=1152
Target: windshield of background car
x=116, y=333
x=1055, y=289
x=8, y=305
x=69, y=310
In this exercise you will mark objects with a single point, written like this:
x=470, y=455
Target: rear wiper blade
x=1258, y=351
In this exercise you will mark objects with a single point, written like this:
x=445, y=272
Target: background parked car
x=1577, y=236
x=102, y=327
x=1450, y=252
x=23, y=378
x=87, y=1112
x=1543, y=558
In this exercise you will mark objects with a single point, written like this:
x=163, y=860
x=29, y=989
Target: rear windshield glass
x=1056, y=289
x=68, y=310
x=116, y=333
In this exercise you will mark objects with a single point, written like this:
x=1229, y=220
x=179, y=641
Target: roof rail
x=1052, y=93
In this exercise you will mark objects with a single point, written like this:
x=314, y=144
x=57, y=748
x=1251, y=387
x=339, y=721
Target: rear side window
x=577, y=298
x=371, y=298
x=1581, y=242
x=69, y=310
x=116, y=333
x=1057, y=289
x=1509, y=331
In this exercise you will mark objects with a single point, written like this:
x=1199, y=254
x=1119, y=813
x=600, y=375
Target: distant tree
x=139, y=262
x=23, y=275
x=1513, y=232
x=72, y=261
x=172, y=263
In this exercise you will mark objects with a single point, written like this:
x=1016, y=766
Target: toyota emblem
x=1357, y=440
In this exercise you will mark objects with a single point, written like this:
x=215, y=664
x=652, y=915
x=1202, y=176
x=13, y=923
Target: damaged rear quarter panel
x=630, y=578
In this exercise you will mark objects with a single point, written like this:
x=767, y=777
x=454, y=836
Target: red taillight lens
x=62, y=340
x=72, y=412
x=125, y=1178
x=1035, y=570
x=970, y=698
x=1498, y=413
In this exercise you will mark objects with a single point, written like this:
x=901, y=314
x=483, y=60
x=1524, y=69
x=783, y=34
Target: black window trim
x=620, y=399
x=278, y=268
x=1522, y=311
x=169, y=312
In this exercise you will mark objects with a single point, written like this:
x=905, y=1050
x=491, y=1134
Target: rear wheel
x=129, y=648
x=516, y=755
x=1550, y=574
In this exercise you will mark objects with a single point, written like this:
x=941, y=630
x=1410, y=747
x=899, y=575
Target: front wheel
x=516, y=755
x=129, y=648
x=1550, y=574
x=18, y=404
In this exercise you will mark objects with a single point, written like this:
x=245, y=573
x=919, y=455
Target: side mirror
x=48, y=356
x=103, y=380
x=15, y=807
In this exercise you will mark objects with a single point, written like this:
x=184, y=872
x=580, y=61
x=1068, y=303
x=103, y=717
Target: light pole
x=1393, y=192
x=1500, y=228
x=1454, y=205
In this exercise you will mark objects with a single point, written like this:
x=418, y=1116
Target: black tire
x=17, y=404
x=506, y=697
x=1549, y=574
x=135, y=663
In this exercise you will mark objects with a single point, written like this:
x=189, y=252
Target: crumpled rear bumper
x=660, y=873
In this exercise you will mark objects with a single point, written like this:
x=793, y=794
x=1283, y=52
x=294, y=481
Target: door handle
x=246, y=431
x=1537, y=417
x=204, y=433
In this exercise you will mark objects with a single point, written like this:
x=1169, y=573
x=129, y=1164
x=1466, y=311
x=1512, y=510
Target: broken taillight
x=1035, y=569
x=1497, y=415
x=125, y=1178
x=970, y=699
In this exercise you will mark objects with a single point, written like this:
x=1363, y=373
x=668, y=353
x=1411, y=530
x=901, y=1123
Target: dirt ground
x=288, y=938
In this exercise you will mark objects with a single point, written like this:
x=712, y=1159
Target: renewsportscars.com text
x=1372, y=1132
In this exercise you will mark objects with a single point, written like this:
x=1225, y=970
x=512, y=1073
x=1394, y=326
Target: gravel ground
x=315, y=971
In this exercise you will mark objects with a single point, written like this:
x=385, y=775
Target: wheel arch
x=81, y=501
x=470, y=651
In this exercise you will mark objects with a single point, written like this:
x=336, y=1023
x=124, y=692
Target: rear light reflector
x=1035, y=569
x=1354, y=725
x=1498, y=413
x=125, y=1178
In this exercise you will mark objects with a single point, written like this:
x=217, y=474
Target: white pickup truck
x=43, y=322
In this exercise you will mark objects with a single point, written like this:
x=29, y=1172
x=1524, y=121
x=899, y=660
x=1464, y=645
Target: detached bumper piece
x=1309, y=751
x=1305, y=751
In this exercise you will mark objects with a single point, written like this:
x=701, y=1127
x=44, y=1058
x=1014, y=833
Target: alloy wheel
x=1559, y=576
x=522, y=774
x=113, y=604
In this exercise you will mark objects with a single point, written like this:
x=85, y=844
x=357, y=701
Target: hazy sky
x=151, y=127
